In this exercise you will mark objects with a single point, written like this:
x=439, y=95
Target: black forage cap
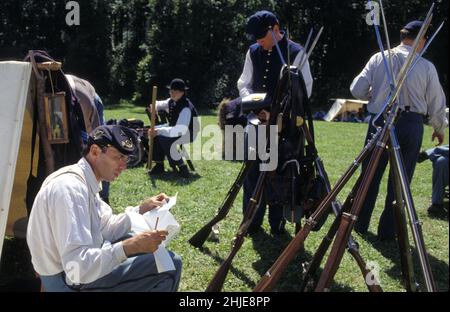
x=122, y=138
x=413, y=27
x=259, y=23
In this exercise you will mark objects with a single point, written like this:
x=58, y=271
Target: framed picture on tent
x=56, y=118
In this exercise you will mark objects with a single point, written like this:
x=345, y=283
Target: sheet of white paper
x=163, y=260
x=147, y=221
x=166, y=222
x=166, y=207
x=162, y=257
x=138, y=222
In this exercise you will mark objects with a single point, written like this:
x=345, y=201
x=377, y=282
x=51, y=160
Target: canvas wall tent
x=14, y=86
x=23, y=86
x=343, y=107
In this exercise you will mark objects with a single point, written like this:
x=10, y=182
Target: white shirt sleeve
x=113, y=226
x=180, y=128
x=71, y=225
x=246, y=78
x=163, y=105
x=435, y=99
x=306, y=72
x=361, y=85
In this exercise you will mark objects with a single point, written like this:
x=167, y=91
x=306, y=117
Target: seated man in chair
x=181, y=129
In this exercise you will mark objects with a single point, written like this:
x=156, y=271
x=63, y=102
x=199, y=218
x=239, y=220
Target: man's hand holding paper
x=153, y=202
x=144, y=242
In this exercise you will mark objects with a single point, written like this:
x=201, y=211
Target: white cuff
x=119, y=253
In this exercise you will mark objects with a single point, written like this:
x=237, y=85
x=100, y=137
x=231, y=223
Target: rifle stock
x=152, y=120
x=336, y=252
x=364, y=270
x=216, y=283
x=272, y=276
x=344, y=224
x=198, y=239
x=352, y=246
x=219, y=278
x=348, y=219
x=323, y=247
x=320, y=253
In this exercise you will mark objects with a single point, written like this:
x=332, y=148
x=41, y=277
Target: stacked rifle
x=347, y=214
x=343, y=224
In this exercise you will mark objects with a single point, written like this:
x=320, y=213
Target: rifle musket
x=305, y=48
x=313, y=45
x=386, y=34
x=407, y=66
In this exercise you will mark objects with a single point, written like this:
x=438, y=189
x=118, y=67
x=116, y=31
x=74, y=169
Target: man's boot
x=157, y=169
x=183, y=171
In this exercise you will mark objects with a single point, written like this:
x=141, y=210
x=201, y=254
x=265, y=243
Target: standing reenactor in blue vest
x=180, y=129
x=260, y=75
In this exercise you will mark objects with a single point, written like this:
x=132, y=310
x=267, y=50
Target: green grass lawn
x=199, y=197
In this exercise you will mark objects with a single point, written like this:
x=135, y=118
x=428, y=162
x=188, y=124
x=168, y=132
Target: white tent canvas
x=14, y=84
x=343, y=106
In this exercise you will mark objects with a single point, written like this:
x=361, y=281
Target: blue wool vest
x=267, y=65
x=175, y=109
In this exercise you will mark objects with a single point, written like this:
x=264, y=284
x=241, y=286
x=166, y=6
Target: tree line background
x=123, y=47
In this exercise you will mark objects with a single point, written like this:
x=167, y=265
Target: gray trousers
x=136, y=274
x=439, y=158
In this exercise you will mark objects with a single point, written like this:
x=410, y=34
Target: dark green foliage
x=40, y=25
x=125, y=47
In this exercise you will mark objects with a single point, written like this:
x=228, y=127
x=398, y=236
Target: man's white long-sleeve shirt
x=70, y=227
x=182, y=125
x=422, y=91
x=245, y=80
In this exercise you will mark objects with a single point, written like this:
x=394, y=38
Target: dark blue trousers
x=163, y=148
x=268, y=196
x=439, y=158
x=409, y=131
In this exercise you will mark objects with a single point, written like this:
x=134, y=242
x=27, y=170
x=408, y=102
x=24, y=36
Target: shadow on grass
x=140, y=108
x=174, y=178
x=171, y=176
x=207, y=111
x=270, y=248
x=238, y=273
x=126, y=105
x=441, y=214
x=390, y=250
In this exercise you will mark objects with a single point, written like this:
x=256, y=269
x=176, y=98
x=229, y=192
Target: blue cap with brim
x=413, y=27
x=120, y=137
x=177, y=84
x=259, y=23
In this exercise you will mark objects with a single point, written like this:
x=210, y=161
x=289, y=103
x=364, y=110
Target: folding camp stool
x=185, y=156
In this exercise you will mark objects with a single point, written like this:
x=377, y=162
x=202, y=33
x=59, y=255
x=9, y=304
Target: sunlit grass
x=199, y=198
